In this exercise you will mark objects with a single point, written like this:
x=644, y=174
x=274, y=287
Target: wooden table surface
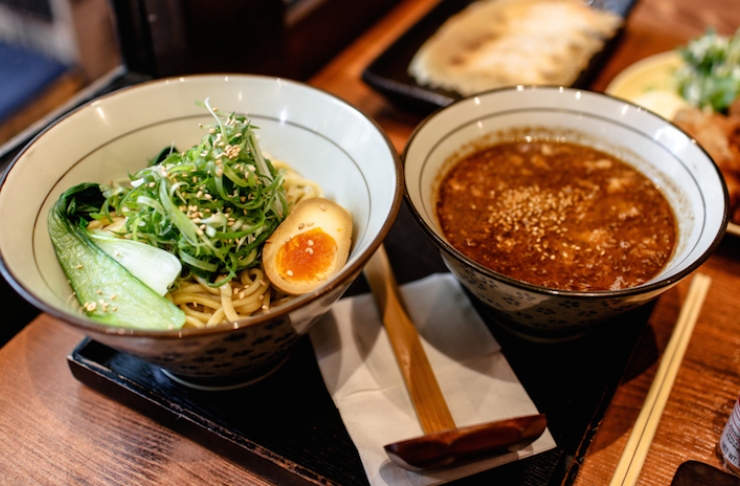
x=54, y=430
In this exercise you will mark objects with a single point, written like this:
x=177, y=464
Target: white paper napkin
x=360, y=372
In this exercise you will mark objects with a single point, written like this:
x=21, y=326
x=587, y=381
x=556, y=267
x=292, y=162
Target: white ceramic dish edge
x=648, y=74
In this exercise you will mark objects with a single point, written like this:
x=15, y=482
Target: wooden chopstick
x=421, y=383
x=633, y=457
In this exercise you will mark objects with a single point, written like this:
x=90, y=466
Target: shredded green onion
x=212, y=205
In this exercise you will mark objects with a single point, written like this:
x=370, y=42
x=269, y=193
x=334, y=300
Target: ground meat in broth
x=557, y=214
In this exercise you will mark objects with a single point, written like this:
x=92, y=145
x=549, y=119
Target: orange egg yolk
x=306, y=256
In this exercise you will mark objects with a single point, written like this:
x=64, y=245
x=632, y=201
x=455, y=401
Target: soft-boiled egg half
x=310, y=245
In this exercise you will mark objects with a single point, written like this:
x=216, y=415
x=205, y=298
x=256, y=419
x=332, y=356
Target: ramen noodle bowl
x=322, y=137
x=685, y=174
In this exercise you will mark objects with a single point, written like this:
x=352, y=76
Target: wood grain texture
x=643, y=430
x=703, y=393
x=54, y=430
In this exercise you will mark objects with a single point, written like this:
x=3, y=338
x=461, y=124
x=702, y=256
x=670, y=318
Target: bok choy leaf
x=154, y=267
x=108, y=292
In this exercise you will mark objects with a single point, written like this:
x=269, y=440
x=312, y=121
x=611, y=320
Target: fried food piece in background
x=495, y=43
x=720, y=137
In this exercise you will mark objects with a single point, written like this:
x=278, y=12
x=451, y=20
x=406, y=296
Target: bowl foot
x=545, y=338
x=226, y=383
x=534, y=335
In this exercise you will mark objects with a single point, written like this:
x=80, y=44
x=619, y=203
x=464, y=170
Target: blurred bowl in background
x=320, y=136
x=687, y=176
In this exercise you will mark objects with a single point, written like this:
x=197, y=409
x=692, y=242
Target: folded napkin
x=360, y=372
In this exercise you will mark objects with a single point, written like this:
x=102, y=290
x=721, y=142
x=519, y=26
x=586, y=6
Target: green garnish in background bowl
x=710, y=76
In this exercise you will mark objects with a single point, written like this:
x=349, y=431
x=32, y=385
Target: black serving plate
x=388, y=73
x=287, y=428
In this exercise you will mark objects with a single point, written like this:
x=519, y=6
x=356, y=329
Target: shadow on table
x=19, y=312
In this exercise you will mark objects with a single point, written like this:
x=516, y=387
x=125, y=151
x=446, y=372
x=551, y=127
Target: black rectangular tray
x=388, y=73
x=287, y=428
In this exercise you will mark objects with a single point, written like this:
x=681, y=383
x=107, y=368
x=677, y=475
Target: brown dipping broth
x=557, y=214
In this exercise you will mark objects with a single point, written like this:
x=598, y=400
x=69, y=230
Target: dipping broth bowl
x=320, y=136
x=688, y=177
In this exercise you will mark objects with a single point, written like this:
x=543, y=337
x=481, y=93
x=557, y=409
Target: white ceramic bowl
x=321, y=136
x=689, y=178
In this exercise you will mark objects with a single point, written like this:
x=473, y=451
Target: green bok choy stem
x=105, y=289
